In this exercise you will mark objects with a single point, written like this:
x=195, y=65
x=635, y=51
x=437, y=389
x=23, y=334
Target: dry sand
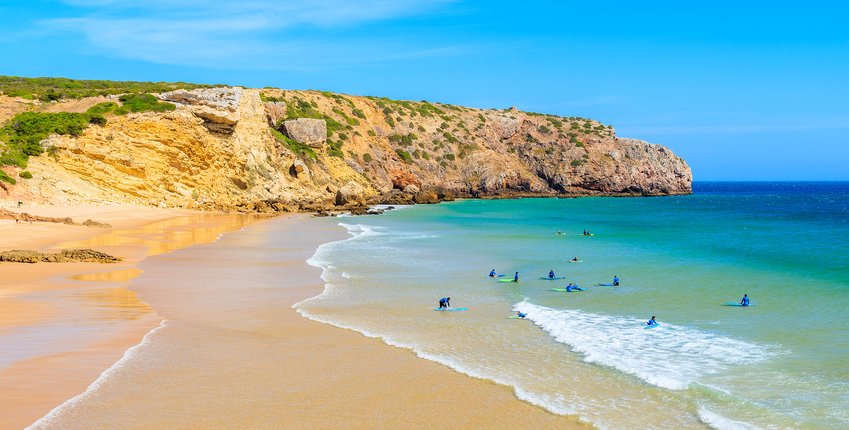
x=233, y=353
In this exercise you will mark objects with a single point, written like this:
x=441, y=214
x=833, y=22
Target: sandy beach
x=223, y=348
x=62, y=324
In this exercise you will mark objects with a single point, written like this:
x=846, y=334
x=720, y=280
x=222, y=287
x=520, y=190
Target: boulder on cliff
x=310, y=131
x=351, y=193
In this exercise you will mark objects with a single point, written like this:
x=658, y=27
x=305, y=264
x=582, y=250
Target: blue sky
x=742, y=90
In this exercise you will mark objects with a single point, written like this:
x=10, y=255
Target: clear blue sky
x=742, y=90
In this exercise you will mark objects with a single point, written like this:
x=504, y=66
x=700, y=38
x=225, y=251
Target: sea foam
x=49, y=420
x=669, y=356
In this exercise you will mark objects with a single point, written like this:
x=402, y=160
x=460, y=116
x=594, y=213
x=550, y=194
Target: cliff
x=278, y=150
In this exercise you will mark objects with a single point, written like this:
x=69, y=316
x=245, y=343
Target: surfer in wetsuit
x=615, y=281
x=516, y=277
x=569, y=288
x=520, y=314
x=445, y=303
x=575, y=260
x=745, y=301
x=550, y=274
x=492, y=274
x=651, y=322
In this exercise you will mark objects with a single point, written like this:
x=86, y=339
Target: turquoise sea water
x=780, y=364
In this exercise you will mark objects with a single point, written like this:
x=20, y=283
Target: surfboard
x=573, y=261
x=496, y=276
x=563, y=290
x=648, y=327
x=603, y=285
x=451, y=309
x=556, y=278
x=737, y=304
x=514, y=317
x=506, y=280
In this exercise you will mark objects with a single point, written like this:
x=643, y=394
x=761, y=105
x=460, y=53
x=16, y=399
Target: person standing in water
x=516, y=277
x=745, y=301
x=652, y=321
x=615, y=281
x=492, y=274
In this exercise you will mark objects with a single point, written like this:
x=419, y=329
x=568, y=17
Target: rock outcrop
x=227, y=149
x=218, y=107
x=64, y=256
x=310, y=131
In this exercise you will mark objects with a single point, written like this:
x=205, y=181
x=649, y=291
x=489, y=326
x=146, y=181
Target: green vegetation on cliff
x=52, y=89
x=21, y=137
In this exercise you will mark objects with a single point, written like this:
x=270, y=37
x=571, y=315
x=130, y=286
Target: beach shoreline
x=332, y=376
x=62, y=324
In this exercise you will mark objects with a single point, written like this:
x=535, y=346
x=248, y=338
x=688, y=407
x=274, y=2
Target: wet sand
x=62, y=324
x=232, y=353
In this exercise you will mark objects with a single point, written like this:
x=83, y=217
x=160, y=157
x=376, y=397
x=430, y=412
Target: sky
x=743, y=90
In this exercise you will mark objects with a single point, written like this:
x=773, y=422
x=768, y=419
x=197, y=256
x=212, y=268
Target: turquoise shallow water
x=779, y=364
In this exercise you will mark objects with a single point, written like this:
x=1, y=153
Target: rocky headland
x=273, y=150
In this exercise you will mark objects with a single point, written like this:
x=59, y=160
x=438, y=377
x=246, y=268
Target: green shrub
x=27, y=129
x=335, y=148
x=359, y=113
x=544, y=130
x=25, y=175
x=6, y=178
x=296, y=147
x=371, y=133
x=576, y=163
x=143, y=103
x=367, y=157
x=403, y=139
x=404, y=155
x=450, y=156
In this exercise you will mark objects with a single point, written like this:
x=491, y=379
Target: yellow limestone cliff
x=278, y=150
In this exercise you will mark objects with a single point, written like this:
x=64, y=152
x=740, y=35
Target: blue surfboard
x=451, y=309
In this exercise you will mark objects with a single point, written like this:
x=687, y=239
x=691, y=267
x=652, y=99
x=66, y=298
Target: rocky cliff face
x=276, y=150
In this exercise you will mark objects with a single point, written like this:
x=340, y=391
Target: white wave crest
x=669, y=356
x=720, y=422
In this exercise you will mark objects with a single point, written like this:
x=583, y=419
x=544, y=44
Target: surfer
x=516, y=277
x=492, y=274
x=550, y=274
x=745, y=301
x=651, y=322
x=615, y=281
x=520, y=314
x=445, y=303
x=575, y=260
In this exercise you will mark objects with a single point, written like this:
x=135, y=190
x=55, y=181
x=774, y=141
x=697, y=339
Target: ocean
x=781, y=363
